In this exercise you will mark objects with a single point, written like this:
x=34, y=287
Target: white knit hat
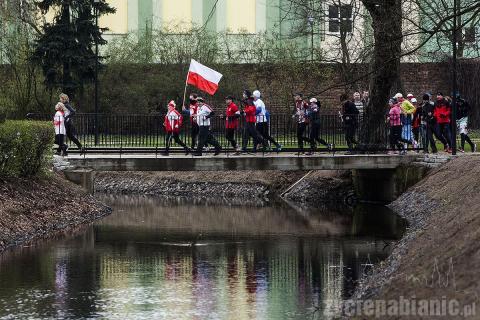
x=256, y=94
x=313, y=100
x=398, y=95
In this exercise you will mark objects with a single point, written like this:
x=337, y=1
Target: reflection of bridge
x=224, y=162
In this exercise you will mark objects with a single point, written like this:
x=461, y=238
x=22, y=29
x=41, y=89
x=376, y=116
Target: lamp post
x=310, y=23
x=96, y=2
x=454, y=76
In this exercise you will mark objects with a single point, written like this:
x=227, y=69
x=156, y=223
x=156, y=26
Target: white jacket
x=262, y=116
x=59, y=122
x=202, y=114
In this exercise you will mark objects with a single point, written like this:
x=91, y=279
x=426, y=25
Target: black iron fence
x=145, y=132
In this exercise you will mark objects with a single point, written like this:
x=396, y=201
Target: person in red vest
x=173, y=122
x=231, y=122
x=250, y=111
x=442, y=112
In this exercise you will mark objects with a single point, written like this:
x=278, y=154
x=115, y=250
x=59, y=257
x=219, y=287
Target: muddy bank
x=37, y=208
x=240, y=185
x=439, y=256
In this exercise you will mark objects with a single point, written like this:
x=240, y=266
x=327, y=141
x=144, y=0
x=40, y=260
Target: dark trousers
x=194, y=134
x=315, y=136
x=251, y=131
x=301, y=127
x=175, y=136
x=395, y=137
x=350, y=129
x=464, y=137
x=204, y=137
x=71, y=134
x=430, y=140
x=262, y=128
x=60, y=141
x=230, y=135
x=443, y=131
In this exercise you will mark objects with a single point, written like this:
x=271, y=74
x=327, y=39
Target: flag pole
x=185, y=91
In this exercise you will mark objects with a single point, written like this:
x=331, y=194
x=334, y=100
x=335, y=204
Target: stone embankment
x=438, y=258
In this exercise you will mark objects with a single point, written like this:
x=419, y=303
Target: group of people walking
x=64, y=127
x=256, y=124
x=412, y=122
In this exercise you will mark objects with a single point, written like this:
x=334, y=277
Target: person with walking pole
x=204, y=113
x=172, y=123
x=69, y=126
x=191, y=112
x=300, y=114
x=349, y=115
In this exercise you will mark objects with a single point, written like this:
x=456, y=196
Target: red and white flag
x=203, y=77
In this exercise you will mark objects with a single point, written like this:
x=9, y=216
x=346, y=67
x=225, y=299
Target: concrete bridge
x=223, y=162
x=376, y=177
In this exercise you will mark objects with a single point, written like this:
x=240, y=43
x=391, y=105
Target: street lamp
x=310, y=23
x=96, y=3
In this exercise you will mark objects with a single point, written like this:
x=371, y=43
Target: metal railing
x=146, y=133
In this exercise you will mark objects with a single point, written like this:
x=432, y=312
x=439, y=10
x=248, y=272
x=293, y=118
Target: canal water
x=173, y=258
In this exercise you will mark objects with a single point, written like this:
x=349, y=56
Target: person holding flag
x=172, y=123
x=191, y=112
x=204, y=113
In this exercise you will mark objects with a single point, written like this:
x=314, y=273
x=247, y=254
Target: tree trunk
x=387, y=31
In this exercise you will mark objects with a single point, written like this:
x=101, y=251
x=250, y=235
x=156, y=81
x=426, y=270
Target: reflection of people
x=60, y=131
x=173, y=122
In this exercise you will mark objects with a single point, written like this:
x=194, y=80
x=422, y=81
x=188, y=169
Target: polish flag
x=203, y=77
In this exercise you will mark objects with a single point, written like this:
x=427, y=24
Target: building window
x=241, y=16
x=340, y=18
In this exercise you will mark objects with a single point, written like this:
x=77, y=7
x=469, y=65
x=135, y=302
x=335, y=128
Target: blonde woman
x=69, y=127
x=60, y=131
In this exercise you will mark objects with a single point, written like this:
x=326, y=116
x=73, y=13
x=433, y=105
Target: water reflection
x=164, y=259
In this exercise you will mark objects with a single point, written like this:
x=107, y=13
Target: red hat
x=172, y=104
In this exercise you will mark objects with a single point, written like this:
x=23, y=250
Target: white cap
x=410, y=95
x=256, y=94
x=398, y=95
x=413, y=100
x=313, y=100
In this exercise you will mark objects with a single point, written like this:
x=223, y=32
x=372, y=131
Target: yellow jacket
x=407, y=107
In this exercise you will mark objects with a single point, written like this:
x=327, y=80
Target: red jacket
x=442, y=111
x=232, y=116
x=173, y=121
x=250, y=113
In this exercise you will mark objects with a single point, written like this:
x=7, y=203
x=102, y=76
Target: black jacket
x=350, y=113
x=463, y=109
x=427, y=112
x=71, y=110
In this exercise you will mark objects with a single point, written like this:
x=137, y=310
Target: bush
x=25, y=147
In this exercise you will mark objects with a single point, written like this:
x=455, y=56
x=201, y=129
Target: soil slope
x=439, y=258
x=36, y=208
